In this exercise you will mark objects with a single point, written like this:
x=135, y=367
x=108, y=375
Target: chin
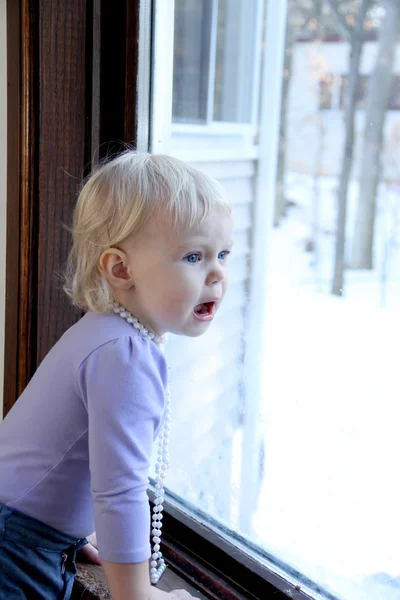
x=195, y=332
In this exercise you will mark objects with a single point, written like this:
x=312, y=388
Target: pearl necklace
x=125, y=314
x=157, y=564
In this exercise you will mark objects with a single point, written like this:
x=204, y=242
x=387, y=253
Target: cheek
x=225, y=284
x=180, y=295
x=171, y=290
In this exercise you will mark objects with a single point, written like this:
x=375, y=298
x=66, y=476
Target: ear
x=115, y=266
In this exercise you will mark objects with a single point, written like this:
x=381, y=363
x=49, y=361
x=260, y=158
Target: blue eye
x=223, y=255
x=193, y=258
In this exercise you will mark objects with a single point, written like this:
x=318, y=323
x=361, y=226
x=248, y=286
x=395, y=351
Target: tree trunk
x=357, y=40
x=377, y=99
x=280, y=198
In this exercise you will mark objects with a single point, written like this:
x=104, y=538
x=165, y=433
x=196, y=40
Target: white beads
x=125, y=314
x=161, y=468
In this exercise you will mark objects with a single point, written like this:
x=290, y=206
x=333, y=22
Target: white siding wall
x=3, y=186
x=206, y=372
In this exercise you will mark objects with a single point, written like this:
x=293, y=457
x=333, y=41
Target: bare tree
x=305, y=19
x=376, y=105
x=280, y=198
x=356, y=38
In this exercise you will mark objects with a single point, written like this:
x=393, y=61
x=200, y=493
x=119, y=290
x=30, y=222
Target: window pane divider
x=257, y=53
x=161, y=78
x=213, y=55
x=214, y=128
x=143, y=79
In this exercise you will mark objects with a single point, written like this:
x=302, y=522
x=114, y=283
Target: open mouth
x=204, y=311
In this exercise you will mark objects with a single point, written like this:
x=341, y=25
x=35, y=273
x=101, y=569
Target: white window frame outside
x=162, y=65
x=144, y=76
x=196, y=142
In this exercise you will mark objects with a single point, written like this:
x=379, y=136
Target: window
x=284, y=436
x=213, y=61
x=191, y=60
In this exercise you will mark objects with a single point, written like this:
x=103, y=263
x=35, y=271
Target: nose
x=216, y=275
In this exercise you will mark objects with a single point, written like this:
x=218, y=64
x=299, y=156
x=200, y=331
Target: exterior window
x=214, y=49
x=191, y=59
x=285, y=431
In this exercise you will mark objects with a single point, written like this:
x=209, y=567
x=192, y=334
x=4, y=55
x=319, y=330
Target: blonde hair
x=115, y=202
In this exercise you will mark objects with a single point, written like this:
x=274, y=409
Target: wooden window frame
x=65, y=111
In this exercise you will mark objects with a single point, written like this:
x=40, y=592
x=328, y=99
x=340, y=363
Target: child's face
x=179, y=279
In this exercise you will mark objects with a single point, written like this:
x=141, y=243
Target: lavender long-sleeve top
x=75, y=449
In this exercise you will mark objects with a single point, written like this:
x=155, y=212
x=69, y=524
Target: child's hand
x=89, y=551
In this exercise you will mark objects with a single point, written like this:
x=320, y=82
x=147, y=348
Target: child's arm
x=132, y=582
x=123, y=386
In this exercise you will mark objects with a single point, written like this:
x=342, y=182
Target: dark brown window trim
x=205, y=556
x=13, y=206
x=67, y=106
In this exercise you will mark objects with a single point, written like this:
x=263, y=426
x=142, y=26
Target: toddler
x=151, y=238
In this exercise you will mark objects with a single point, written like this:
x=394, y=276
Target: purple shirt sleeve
x=123, y=385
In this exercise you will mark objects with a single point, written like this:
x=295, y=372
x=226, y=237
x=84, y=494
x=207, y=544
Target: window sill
x=209, y=154
x=217, y=573
x=90, y=584
x=215, y=128
x=201, y=562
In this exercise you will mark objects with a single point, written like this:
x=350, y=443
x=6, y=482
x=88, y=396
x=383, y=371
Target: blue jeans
x=37, y=562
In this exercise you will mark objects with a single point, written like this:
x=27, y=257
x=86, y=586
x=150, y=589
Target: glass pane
x=191, y=59
x=285, y=434
x=214, y=51
x=234, y=61
x=329, y=498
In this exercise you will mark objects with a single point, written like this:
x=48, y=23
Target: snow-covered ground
x=330, y=498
